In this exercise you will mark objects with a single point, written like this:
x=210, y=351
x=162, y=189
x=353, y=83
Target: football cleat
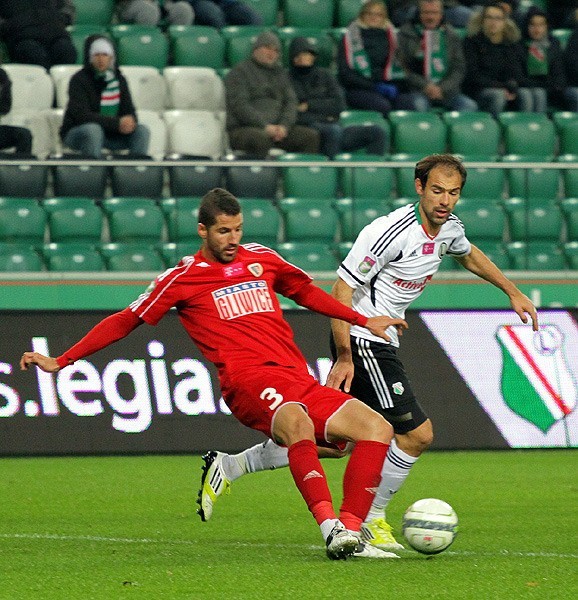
x=214, y=483
x=377, y=532
x=364, y=550
x=340, y=543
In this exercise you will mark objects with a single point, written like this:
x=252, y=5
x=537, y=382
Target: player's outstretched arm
x=479, y=264
x=46, y=363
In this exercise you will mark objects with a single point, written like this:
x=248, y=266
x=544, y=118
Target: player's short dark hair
x=425, y=165
x=217, y=202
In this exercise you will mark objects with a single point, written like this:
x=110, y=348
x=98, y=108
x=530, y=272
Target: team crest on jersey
x=255, y=269
x=443, y=249
x=365, y=265
x=398, y=388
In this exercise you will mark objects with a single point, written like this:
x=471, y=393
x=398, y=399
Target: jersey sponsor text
x=243, y=299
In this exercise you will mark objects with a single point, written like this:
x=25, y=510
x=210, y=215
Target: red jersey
x=231, y=310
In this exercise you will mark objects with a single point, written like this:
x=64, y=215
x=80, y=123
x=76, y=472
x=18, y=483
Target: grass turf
x=125, y=527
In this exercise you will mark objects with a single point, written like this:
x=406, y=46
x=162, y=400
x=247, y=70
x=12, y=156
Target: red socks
x=311, y=481
x=360, y=481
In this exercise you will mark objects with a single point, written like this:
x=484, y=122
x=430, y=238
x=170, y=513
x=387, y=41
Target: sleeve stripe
x=391, y=233
x=360, y=281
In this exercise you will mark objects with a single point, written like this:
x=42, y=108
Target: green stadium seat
x=347, y=11
x=182, y=217
x=320, y=39
x=342, y=249
x=93, y=12
x=417, y=133
x=308, y=13
x=22, y=220
x=73, y=219
x=308, y=219
x=19, y=257
x=267, y=9
x=355, y=214
x=568, y=135
x=529, y=136
x=309, y=256
x=536, y=256
x=172, y=252
x=569, y=208
x=405, y=176
x=262, y=221
x=374, y=182
x=483, y=219
x=302, y=181
x=562, y=34
x=138, y=180
x=539, y=221
x=194, y=180
x=534, y=184
x=140, y=45
x=570, y=250
x=484, y=182
x=495, y=251
x=133, y=219
x=23, y=181
x=253, y=181
x=72, y=257
x=79, y=180
x=79, y=32
x=473, y=136
x=131, y=257
x=196, y=46
x=239, y=41
x=365, y=117
x=569, y=176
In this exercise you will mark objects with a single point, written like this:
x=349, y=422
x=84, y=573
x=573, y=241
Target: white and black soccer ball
x=430, y=525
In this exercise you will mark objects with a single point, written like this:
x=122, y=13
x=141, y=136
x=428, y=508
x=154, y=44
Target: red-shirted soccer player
x=225, y=298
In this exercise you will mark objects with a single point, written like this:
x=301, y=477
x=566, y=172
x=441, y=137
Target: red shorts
x=254, y=398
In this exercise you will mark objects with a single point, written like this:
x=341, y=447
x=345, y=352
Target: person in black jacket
x=571, y=61
x=321, y=102
x=100, y=112
x=11, y=136
x=35, y=32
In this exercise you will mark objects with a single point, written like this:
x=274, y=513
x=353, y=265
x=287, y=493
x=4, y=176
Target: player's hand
x=378, y=326
x=46, y=363
x=341, y=374
x=523, y=307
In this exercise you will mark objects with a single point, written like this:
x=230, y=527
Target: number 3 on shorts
x=271, y=394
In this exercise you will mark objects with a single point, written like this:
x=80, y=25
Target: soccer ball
x=430, y=525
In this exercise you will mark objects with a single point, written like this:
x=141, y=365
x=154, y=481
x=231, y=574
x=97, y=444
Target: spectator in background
x=571, y=61
x=457, y=13
x=100, y=113
x=18, y=138
x=35, y=32
x=496, y=62
x=220, y=13
x=544, y=62
x=365, y=61
x=151, y=12
x=431, y=54
x=262, y=105
x=562, y=13
x=321, y=101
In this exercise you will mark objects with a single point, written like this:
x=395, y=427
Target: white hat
x=101, y=46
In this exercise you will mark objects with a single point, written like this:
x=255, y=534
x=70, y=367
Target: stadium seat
x=569, y=208
x=562, y=34
x=138, y=180
x=148, y=87
x=182, y=216
x=374, y=182
x=495, y=251
x=528, y=136
x=194, y=180
x=268, y=9
x=61, y=75
x=198, y=133
x=569, y=176
x=38, y=122
x=308, y=13
x=536, y=256
x=304, y=181
x=570, y=250
x=23, y=181
x=172, y=252
x=158, y=132
x=347, y=11
x=483, y=219
x=253, y=181
x=72, y=257
x=539, y=221
x=79, y=180
x=239, y=41
x=73, y=219
x=194, y=88
x=22, y=220
x=131, y=257
x=417, y=133
x=355, y=214
x=405, y=176
x=341, y=249
x=197, y=46
x=534, y=184
x=133, y=219
x=32, y=87
x=309, y=256
x=484, y=182
x=568, y=135
x=140, y=45
x=473, y=136
x=19, y=257
x=93, y=12
x=320, y=39
x=79, y=33
x=309, y=219
x=262, y=221
x=366, y=117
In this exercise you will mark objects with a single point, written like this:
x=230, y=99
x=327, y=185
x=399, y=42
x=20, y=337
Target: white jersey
x=391, y=262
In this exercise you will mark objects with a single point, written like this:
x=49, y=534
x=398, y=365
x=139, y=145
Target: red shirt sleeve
x=103, y=334
x=314, y=298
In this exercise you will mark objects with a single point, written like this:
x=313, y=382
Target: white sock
x=260, y=457
x=327, y=526
x=395, y=470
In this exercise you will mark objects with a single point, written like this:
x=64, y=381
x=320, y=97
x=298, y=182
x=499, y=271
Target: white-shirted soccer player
x=388, y=267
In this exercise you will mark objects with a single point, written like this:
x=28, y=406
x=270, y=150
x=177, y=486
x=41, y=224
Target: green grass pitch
x=125, y=527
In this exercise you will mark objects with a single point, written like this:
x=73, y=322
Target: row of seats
x=310, y=256
x=328, y=180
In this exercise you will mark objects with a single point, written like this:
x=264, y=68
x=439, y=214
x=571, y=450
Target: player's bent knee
x=292, y=424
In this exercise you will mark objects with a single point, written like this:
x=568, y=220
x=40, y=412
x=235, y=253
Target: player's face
x=438, y=197
x=221, y=240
